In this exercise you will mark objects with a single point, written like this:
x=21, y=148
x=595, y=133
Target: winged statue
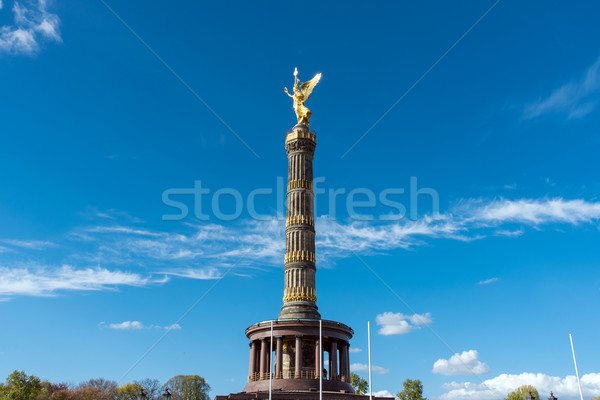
x=302, y=93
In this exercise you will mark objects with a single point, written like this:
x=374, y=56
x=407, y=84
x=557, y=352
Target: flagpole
x=369, y=339
x=576, y=371
x=271, y=363
x=320, y=359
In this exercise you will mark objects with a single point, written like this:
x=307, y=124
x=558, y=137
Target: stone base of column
x=299, y=395
x=299, y=309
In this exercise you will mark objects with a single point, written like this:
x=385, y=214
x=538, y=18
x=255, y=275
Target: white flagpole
x=320, y=359
x=271, y=363
x=576, y=371
x=369, y=339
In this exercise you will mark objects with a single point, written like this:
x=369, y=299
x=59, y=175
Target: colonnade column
x=347, y=362
x=264, y=351
x=318, y=367
x=278, y=357
x=298, y=371
x=333, y=365
x=252, y=366
x=344, y=361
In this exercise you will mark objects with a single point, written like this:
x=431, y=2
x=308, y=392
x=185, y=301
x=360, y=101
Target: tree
x=595, y=398
x=128, y=391
x=104, y=389
x=20, y=386
x=151, y=387
x=359, y=384
x=88, y=393
x=412, y=390
x=522, y=392
x=63, y=394
x=188, y=387
x=55, y=387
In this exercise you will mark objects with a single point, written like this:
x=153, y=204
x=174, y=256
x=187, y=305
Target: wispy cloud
x=137, y=325
x=575, y=99
x=466, y=363
x=500, y=385
x=533, y=211
x=358, y=367
x=28, y=244
x=33, y=23
x=487, y=281
x=400, y=324
x=202, y=251
x=47, y=281
x=355, y=350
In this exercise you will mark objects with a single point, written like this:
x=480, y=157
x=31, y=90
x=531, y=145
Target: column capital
x=299, y=336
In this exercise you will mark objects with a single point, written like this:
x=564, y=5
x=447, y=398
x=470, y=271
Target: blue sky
x=103, y=111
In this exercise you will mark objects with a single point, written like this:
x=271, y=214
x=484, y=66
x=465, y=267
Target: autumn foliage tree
x=20, y=386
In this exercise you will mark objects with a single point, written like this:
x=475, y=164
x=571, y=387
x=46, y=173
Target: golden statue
x=302, y=93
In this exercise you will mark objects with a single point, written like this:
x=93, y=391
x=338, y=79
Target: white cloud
x=575, y=99
x=466, y=363
x=536, y=212
x=44, y=281
x=358, y=367
x=32, y=24
x=28, y=244
x=400, y=324
x=487, y=281
x=468, y=220
x=383, y=393
x=196, y=273
x=354, y=350
x=126, y=325
x=499, y=386
x=203, y=251
x=137, y=325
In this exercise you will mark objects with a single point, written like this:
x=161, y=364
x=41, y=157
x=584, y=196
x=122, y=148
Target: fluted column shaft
x=299, y=295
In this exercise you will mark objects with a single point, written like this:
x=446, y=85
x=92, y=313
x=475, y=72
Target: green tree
x=188, y=387
x=595, y=398
x=128, y=391
x=20, y=386
x=412, y=390
x=359, y=384
x=522, y=392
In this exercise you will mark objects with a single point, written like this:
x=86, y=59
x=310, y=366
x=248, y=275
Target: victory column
x=295, y=371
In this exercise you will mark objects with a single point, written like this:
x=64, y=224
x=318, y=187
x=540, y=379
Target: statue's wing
x=307, y=87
